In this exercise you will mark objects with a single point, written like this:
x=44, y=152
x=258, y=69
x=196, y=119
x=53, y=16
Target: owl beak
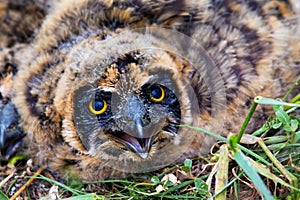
x=140, y=146
x=138, y=143
x=145, y=143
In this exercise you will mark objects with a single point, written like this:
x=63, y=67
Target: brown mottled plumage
x=207, y=64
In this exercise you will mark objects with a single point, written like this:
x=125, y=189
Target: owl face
x=133, y=111
x=134, y=104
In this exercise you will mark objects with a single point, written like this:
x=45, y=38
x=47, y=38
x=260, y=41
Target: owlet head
x=134, y=105
x=128, y=102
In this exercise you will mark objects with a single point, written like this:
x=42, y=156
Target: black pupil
x=98, y=105
x=156, y=93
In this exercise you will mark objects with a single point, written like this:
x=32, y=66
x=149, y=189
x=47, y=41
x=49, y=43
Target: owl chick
x=102, y=85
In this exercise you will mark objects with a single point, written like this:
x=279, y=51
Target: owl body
x=102, y=86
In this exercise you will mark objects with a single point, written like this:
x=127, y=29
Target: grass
x=264, y=164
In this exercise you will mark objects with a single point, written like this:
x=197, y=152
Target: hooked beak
x=140, y=146
x=135, y=143
x=145, y=143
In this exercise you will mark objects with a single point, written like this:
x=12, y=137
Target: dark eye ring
x=97, y=107
x=157, y=94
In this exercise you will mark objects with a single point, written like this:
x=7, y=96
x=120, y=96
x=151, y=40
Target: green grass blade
x=246, y=121
x=74, y=191
x=86, y=197
x=16, y=158
x=176, y=187
x=206, y=132
x=265, y=171
x=183, y=197
x=201, y=186
x=296, y=99
x=250, y=171
x=3, y=196
x=263, y=100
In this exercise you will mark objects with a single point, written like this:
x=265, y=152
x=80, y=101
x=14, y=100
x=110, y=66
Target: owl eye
x=98, y=107
x=157, y=94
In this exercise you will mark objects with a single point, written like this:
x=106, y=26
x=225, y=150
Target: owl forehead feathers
x=127, y=73
x=123, y=79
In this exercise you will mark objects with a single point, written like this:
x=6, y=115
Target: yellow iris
x=157, y=94
x=98, y=107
